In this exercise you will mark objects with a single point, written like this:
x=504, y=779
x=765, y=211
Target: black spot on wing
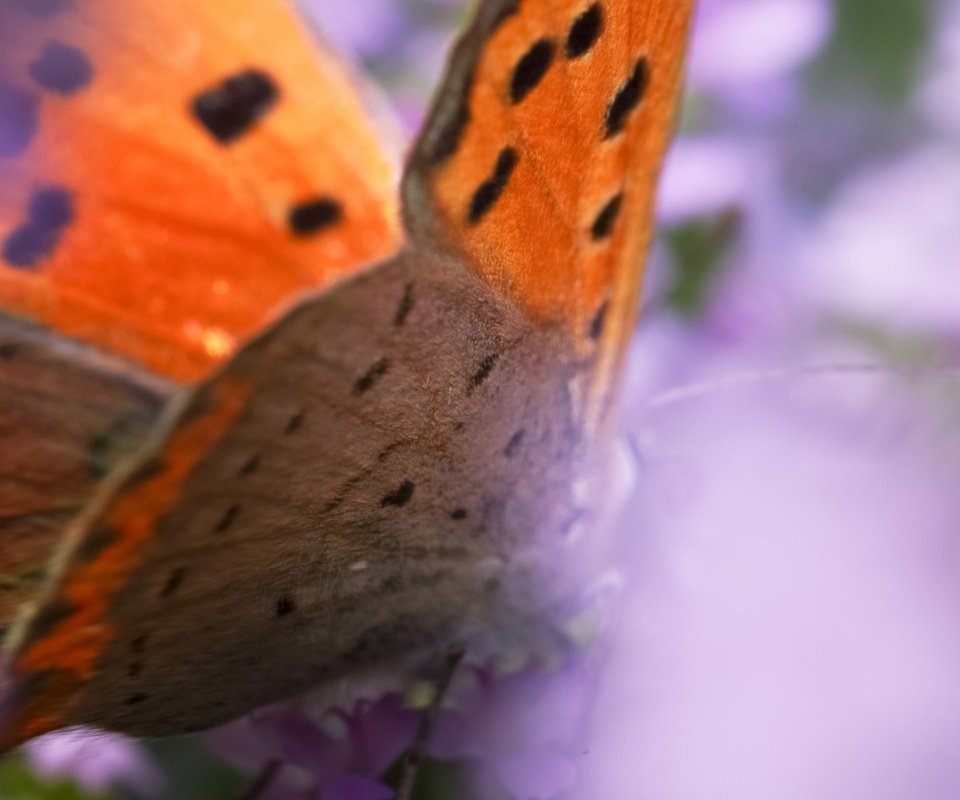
x=371, y=376
x=400, y=496
x=513, y=446
x=385, y=452
x=294, y=423
x=530, y=69
x=490, y=190
x=598, y=321
x=405, y=306
x=313, y=216
x=484, y=369
x=228, y=518
x=285, y=605
x=627, y=97
x=603, y=223
x=62, y=68
x=331, y=505
x=19, y=112
x=250, y=466
x=49, y=213
x=458, y=514
x=232, y=107
x=584, y=31
x=174, y=579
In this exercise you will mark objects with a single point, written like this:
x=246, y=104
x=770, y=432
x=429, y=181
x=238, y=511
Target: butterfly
x=283, y=425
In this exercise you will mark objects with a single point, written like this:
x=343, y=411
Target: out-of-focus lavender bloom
x=734, y=163
x=789, y=629
x=746, y=51
x=938, y=95
x=344, y=749
x=364, y=28
x=887, y=248
x=402, y=45
x=95, y=760
x=740, y=42
x=340, y=754
x=526, y=727
x=686, y=191
x=245, y=746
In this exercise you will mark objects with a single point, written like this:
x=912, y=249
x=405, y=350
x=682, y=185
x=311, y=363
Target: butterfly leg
x=414, y=756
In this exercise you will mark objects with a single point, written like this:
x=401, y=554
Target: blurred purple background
x=788, y=619
x=789, y=625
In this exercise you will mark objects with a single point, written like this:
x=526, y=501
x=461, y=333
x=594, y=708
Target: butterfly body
x=399, y=461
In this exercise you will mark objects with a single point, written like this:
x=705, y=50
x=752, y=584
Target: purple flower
x=361, y=27
x=741, y=42
x=937, y=98
x=96, y=760
x=886, y=249
x=526, y=727
x=683, y=194
x=340, y=754
x=789, y=624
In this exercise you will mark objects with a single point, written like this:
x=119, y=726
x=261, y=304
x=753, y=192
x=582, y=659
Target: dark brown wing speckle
x=229, y=109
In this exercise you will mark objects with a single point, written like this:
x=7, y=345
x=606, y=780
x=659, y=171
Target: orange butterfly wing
x=537, y=168
x=170, y=174
x=541, y=155
x=169, y=177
